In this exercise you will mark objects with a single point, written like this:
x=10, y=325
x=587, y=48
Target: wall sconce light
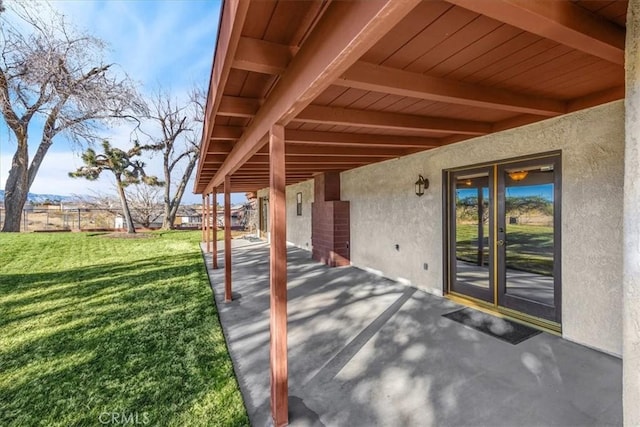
x=421, y=185
x=518, y=175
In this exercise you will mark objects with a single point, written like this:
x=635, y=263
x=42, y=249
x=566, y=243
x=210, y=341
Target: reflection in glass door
x=528, y=226
x=504, y=235
x=472, y=230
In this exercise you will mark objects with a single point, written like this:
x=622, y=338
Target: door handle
x=500, y=242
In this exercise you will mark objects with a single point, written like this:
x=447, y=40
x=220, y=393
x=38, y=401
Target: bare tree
x=179, y=127
x=126, y=171
x=56, y=73
x=145, y=202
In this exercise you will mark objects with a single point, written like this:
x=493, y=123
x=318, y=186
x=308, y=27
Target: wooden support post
x=209, y=225
x=203, y=222
x=227, y=238
x=205, y=219
x=214, y=226
x=278, y=278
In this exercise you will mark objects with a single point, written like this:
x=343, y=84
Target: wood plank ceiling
x=445, y=72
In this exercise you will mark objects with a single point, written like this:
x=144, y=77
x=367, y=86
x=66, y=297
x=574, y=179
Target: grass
x=529, y=247
x=95, y=328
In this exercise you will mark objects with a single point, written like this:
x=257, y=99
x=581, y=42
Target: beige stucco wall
x=299, y=227
x=385, y=211
x=631, y=261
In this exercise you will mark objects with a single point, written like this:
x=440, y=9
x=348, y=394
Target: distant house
x=189, y=217
x=239, y=217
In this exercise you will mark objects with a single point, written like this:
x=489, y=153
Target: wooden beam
x=358, y=139
x=561, y=21
x=316, y=159
x=227, y=238
x=371, y=77
x=261, y=56
x=226, y=132
x=278, y=278
x=235, y=106
x=234, y=13
x=598, y=98
x=220, y=147
x=305, y=167
x=344, y=33
x=394, y=121
x=214, y=254
x=295, y=152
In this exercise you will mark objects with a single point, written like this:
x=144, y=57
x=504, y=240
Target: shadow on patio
x=364, y=351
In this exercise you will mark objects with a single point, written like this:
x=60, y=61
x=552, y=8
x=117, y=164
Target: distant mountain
x=40, y=198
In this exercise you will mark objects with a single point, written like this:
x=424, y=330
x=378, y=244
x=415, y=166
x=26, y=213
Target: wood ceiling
x=361, y=82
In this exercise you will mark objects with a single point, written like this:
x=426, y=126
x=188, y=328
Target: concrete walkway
x=366, y=351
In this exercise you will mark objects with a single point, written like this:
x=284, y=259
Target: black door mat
x=503, y=329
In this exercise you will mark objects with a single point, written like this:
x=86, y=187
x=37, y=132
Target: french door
x=503, y=236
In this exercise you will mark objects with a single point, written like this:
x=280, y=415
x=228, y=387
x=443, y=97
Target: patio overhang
x=300, y=88
x=397, y=76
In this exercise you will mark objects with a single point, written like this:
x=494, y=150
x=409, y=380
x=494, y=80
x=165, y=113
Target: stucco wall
x=385, y=212
x=299, y=227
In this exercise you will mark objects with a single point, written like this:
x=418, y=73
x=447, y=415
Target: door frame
x=554, y=326
x=520, y=304
x=473, y=291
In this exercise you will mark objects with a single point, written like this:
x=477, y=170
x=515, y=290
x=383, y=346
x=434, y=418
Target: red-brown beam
x=261, y=56
x=394, y=121
x=234, y=106
x=372, y=77
x=344, y=33
x=270, y=58
x=278, y=278
x=232, y=20
x=349, y=140
x=561, y=21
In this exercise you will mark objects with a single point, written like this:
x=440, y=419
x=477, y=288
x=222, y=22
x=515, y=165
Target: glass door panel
x=504, y=235
x=471, y=256
x=527, y=237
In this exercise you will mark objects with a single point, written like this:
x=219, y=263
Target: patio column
x=631, y=217
x=278, y=278
x=208, y=223
x=214, y=226
x=227, y=238
x=204, y=236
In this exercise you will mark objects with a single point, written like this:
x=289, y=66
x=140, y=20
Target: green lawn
x=529, y=247
x=93, y=327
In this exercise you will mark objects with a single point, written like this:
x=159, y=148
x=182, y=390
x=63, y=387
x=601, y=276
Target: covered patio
x=367, y=351
x=328, y=111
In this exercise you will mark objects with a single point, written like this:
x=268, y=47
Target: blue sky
x=157, y=43
x=543, y=190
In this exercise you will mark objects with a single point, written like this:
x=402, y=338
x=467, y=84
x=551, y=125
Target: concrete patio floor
x=367, y=351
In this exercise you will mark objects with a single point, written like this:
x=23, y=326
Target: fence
x=65, y=219
x=56, y=218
